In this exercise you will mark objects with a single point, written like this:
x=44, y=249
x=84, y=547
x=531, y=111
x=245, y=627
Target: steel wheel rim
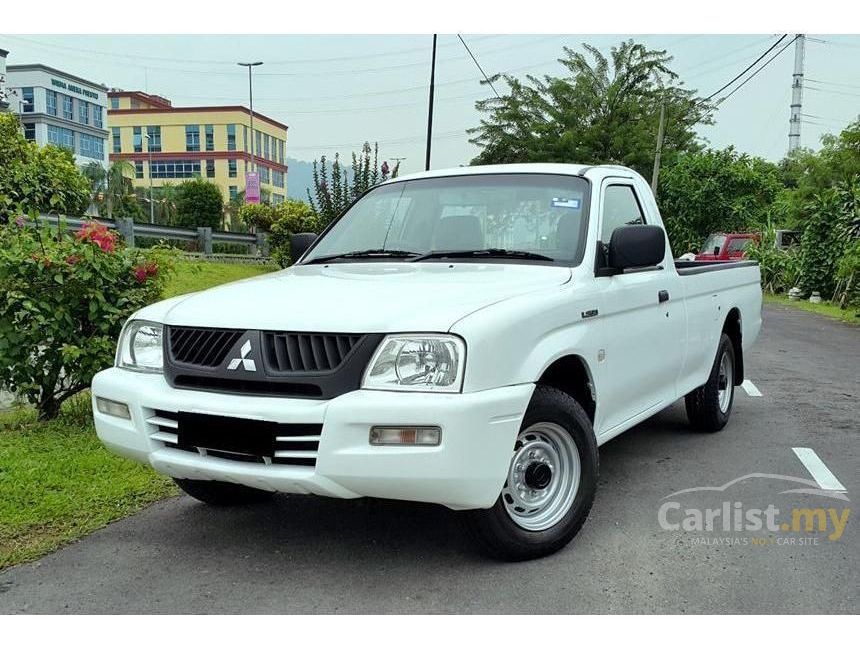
x=540, y=448
x=725, y=382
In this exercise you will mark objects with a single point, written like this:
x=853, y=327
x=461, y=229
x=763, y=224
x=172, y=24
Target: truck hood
x=358, y=297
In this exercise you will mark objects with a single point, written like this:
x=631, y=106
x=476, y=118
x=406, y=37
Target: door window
x=620, y=208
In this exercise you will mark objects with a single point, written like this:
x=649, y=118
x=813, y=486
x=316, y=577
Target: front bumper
x=466, y=470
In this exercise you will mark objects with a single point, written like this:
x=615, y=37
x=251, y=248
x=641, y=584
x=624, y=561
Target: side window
x=739, y=244
x=620, y=208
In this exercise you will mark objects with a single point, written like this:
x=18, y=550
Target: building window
x=258, y=140
x=265, y=146
x=277, y=179
x=117, y=144
x=138, y=139
x=264, y=175
x=277, y=199
x=97, y=116
x=179, y=169
x=114, y=103
x=231, y=136
x=280, y=151
x=233, y=192
x=83, y=112
x=154, y=132
x=210, y=168
x=90, y=146
x=138, y=170
x=28, y=100
x=51, y=102
x=30, y=131
x=210, y=138
x=245, y=138
x=68, y=112
x=231, y=168
x=62, y=137
x=192, y=138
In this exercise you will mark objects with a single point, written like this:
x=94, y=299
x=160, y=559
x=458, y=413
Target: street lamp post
x=251, y=102
x=151, y=201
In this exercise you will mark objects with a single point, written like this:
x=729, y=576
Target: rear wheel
x=710, y=406
x=550, y=484
x=222, y=493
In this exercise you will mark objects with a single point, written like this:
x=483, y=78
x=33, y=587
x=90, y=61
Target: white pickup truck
x=466, y=337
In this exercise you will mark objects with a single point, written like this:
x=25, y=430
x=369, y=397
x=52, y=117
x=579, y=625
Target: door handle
x=662, y=295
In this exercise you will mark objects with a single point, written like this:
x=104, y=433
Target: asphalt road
x=304, y=554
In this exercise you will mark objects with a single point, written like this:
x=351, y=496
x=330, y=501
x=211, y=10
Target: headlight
x=140, y=347
x=417, y=362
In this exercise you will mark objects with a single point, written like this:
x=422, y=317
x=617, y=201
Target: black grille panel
x=246, y=440
x=201, y=346
x=295, y=352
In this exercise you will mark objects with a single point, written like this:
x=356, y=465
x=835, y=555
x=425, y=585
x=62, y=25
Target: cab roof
x=579, y=170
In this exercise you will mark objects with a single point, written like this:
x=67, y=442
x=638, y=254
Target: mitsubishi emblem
x=247, y=363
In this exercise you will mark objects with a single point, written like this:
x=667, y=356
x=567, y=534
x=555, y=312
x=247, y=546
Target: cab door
x=642, y=315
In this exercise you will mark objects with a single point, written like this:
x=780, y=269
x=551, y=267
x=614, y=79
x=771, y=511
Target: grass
x=57, y=482
x=849, y=315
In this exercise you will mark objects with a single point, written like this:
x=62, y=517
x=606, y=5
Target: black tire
x=493, y=529
x=703, y=403
x=223, y=493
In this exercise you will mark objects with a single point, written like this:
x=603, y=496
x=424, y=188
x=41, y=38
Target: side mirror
x=633, y=247
x=299, y=243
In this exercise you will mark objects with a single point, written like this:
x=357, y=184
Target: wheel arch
x=733, y=328
x=572, y=375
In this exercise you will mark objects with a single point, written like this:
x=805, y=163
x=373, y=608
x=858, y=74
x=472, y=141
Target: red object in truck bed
x=726, y=246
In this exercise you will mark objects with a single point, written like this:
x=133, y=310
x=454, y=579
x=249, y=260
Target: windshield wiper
x=367, y=253
x=483, y=253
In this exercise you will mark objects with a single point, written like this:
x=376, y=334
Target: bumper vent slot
x=293, y=352
x=201, y=346
x=236, y=439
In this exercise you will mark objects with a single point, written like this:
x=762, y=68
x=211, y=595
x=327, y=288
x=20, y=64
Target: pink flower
x=20, y=221
x=99, y=235
x=140, y=274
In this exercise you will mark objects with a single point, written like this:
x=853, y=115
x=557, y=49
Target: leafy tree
x=37, y=180
x=290, y=217
x=604, y=110
x=337, y=188
x=715, y=190
x=257, y=216
x=118, y=189
x=96, y=175
x=199, y=203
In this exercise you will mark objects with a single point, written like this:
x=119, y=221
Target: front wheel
x=550, y=485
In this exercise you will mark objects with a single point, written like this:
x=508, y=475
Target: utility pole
x=251, y=104
x=655, y=174
x=796, y=93
x=430, y=112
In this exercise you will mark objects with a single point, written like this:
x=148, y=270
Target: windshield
x=531, y=217
x=713, y=242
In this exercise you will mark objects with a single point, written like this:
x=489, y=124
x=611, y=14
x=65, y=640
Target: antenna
x=796, y=93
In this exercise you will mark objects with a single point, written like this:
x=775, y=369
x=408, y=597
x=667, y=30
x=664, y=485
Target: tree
x=337, y=188
x=715, y=190
x=199, y=203
x=118, y=187
x=37, y=180
x=290, y=217
x=605, y=110
x=96, y=176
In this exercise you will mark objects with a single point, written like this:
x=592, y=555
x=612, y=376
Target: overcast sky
x=337, y=91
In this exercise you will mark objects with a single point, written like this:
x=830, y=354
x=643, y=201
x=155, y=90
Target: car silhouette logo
x=247, y=363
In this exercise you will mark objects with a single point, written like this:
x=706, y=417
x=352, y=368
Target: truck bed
x=688, y=267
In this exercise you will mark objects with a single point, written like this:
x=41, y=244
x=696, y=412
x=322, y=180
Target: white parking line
x=750, y=389
x=821, y=473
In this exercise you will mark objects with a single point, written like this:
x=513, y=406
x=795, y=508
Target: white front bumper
x=466, y=471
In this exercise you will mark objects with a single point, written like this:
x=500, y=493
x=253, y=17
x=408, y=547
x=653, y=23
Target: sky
x=336, y=91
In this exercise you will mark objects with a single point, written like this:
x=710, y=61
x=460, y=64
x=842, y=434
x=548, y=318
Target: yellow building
x=185, y=142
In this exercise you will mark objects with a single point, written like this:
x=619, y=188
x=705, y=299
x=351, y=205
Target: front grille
x=200, y=346
x=296, y=352
x=235, y=386
x=236, y=439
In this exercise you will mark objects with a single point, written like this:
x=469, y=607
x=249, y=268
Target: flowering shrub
x=63, y=301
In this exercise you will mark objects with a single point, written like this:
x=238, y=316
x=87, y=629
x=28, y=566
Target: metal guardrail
x=257, y=243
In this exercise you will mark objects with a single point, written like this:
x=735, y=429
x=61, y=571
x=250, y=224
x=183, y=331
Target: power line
x=478, y=65
x=815, y=80
x=827, y=91
x=755, y=73
x=748, y=68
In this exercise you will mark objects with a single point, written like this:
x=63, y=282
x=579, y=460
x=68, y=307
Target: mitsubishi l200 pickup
x=464, y=337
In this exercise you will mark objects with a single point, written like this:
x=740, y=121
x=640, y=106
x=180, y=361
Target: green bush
x=37, y=180
x=292, y=216
x=259, y=216
x=63, y=301
x=199, y=203
x=780, y=269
